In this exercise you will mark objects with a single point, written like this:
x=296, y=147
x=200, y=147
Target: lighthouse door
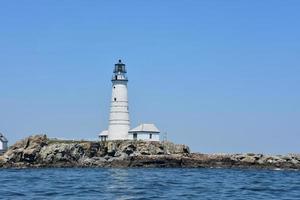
x=135, y=136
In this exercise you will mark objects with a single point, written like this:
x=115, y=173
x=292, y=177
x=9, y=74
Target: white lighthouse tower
x=119, y=122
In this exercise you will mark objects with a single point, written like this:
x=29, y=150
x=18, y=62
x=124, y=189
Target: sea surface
x=149, y=184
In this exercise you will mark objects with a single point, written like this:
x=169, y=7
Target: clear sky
x=220, y=76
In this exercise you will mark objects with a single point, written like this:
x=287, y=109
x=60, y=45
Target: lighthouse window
x=150, y=136
x=114, y=87
x=115, y=99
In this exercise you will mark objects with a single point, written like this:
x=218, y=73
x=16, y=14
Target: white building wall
x=1, y=145
x=119, y=122
x=145, y=136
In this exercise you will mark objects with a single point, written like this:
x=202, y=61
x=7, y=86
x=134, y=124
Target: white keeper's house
x=3, y=143
x=147, y=132
x=119, y=121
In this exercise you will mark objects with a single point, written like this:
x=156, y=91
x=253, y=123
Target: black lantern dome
x=120, y=68
x=120, y=72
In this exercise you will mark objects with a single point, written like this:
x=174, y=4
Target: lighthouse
x=119, y=122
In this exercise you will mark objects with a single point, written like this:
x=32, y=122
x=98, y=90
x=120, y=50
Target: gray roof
x=2, y=138
x=145, y=128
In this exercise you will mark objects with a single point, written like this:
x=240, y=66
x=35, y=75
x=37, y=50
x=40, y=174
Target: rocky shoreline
x=41, y=152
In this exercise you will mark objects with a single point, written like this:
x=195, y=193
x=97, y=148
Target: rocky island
x=40, y=152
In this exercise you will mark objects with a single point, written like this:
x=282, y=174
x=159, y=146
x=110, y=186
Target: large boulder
x=295, y=156
x=55, y=153
x=172, y=148
x=26, y=150
x=136, y=148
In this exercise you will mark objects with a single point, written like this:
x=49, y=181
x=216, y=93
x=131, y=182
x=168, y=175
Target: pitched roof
x=2, y=138
x=145, y=128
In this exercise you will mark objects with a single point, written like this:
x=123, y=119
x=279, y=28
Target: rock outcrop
x=39, y=151
x=249, y=160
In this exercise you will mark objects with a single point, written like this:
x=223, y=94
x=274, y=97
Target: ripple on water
x=149, y=184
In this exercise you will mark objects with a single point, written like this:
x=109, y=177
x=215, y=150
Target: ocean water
x=149, y=184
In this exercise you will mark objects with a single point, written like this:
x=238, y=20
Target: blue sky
x=220, y=76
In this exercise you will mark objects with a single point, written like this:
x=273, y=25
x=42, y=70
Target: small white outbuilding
x=3, y=143
x=103, y=135
x=146, y=132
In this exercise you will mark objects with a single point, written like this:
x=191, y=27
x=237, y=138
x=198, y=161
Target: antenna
x=165, y=137
x=165, y=141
